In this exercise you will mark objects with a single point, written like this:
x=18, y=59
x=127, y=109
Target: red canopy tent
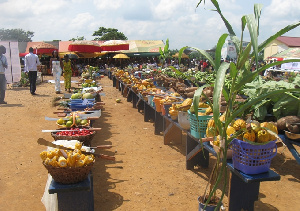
x=115, y=45
x=84, y=46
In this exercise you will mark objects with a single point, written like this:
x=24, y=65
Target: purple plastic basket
x=252, y=159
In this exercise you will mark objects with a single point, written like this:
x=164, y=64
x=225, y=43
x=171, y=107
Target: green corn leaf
x=244, y=57
x=273, y=37
x=166, y=48
x=243, y=23
x=227, y=24
x=257, y=13
x=207, y=56
x=236, y=42
x=218, y=88
x=233, y=70
x=196, y=99
x=180, y=53
x=252, y=27
x=220, y=44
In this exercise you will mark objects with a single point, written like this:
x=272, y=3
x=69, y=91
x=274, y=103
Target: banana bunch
x=67, y=158
x=173, y=111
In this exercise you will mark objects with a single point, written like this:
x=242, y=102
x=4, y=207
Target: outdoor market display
x=69, y=165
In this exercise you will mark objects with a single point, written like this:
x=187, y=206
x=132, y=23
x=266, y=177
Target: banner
x=292, y=66
x=13, y=71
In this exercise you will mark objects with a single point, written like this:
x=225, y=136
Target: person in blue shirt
x=3, y=66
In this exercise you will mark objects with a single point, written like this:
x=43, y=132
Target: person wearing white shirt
x=31, y=63
x=3, y=66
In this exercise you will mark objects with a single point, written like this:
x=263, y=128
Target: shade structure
x=183, y=55
x=84, y=46
x=115, y=45
x=72, y=55
x=121, y=56
x=44, y=48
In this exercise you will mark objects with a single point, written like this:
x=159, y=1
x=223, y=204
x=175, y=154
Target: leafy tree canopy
x=77, y=38
x=109, y=34
x=16, y=35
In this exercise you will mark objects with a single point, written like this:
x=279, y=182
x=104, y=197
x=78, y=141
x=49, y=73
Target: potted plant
x=240, y=74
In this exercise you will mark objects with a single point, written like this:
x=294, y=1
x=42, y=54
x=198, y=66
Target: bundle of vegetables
x=286, y=104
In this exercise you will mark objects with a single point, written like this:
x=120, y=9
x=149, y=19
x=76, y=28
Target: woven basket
x=69, y=175
x=86, y=140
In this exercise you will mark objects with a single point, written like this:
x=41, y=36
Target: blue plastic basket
x=198, y=127
x=76, y=106
x=252, y=159
x=81, y=101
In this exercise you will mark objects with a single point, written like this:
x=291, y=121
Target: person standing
x=56, y=67
x=31, y=63
x=3, y=66
x=67, y=72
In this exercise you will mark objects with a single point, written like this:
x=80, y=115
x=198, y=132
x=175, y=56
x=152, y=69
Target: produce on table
x=75, y=132
x=88, y=96
x=286, y=123
x=253, y=132
x=67, y=158
x=239, y=124
x=249, y=136
x=73, y=120
x=76, y=96
x=173, y=112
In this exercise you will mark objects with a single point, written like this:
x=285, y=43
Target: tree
x=109, y=34
x=77, y=38
x=16, y=35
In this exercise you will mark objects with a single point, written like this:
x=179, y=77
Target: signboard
x=13, y=71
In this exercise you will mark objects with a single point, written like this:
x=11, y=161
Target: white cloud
x=166, y=9
x=178, y=20
x=279, y=9
x=107, y=4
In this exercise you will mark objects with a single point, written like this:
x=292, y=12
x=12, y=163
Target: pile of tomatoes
x=75, y=132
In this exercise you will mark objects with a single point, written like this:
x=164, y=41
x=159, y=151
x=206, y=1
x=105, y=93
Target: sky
x=177, y=20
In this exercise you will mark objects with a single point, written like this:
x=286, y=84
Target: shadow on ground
x=12, y=105
x=104, y=199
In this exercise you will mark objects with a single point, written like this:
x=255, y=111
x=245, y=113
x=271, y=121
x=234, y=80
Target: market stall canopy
x=44, y=48
x=183, y=55
x=143, y=48
x=72, y=55
x=121, y=56
x=115, y=45
x=84, y=46
x=41, y=48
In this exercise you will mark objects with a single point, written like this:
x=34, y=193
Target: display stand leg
x=172, y=134
x=242, y=195
x=158, y=123
x=195, y=154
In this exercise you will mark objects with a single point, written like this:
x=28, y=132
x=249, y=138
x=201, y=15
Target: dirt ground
x=147, y=174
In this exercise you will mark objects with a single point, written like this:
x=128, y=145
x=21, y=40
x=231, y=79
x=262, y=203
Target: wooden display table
x=73, y=197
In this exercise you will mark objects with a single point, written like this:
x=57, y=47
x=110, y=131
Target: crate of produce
x=81, y=134
x=198, y=126
x=252, y=159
